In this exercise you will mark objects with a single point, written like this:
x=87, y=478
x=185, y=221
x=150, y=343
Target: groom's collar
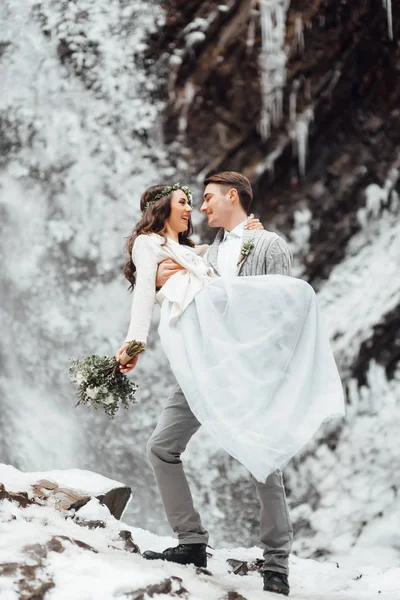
x=236, y=232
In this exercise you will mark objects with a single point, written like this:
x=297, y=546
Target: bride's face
x=181, y=210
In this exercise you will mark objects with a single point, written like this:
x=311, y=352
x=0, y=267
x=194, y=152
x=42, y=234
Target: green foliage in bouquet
x=100, y=383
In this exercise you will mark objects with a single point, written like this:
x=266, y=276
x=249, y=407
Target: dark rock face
x=343, y=69
x=383, y=346
x=214, y=96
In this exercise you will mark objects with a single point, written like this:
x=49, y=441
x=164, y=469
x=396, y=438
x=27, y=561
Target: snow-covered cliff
x=100, y=99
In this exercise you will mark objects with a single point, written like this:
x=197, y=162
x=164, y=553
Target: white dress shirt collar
x=236, y=232
x=229, y=250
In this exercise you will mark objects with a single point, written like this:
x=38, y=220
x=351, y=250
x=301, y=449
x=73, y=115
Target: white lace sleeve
x=145, y=255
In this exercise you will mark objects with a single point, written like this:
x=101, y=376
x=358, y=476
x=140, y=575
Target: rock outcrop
x=45, y=492
x=48, y=553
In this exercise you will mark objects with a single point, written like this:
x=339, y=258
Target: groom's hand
x=165, y=270
x=130, y=365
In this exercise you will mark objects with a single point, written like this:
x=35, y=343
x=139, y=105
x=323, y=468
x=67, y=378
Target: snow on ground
x=112, y=572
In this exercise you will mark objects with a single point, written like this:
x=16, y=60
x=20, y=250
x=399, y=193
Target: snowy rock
x=46, y=491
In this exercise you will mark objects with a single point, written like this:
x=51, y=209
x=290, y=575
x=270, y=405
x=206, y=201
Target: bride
x=249, y=353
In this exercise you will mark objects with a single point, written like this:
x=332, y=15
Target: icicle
x=251, y=36
x=307, y=89
x=265, y=124
x=298, y=27
x=272, y=62
x=302, y=144
x=387, y=4
x=279, y=105
x=353, y=395
x=293, y=101
x=185, y=102
x=251, y=31
x=175, y=64
x=268, y=164
x=301, y=132
x=390, y=18
x=378, y=385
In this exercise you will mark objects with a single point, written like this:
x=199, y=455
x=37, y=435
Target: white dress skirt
x=255, y=364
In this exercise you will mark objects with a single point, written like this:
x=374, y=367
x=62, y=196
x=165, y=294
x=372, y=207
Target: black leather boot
x=184, y=554
x=276, y=582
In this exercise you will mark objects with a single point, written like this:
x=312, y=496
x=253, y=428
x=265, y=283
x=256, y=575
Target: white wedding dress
x=252, y=358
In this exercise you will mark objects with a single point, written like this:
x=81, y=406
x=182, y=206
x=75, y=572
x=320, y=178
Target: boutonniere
x=247, y=248
x=245, y=251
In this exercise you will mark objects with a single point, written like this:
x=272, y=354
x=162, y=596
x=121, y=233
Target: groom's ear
x=233, y=196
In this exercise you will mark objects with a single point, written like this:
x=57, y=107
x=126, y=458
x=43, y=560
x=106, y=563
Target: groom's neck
x=234, y=220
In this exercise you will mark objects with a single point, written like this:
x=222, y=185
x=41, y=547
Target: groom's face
x=216, y=205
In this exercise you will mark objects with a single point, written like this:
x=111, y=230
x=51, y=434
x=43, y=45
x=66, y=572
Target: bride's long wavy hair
x=152, y=221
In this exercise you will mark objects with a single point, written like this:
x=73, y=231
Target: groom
x=235, y=251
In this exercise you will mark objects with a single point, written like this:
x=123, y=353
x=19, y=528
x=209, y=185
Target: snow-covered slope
x=82, y=554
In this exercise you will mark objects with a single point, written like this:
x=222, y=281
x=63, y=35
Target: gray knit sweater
x=269, y=256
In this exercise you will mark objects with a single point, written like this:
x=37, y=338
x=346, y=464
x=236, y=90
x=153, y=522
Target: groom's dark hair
x=231, y=179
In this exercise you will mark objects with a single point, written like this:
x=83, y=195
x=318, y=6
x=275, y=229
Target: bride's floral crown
x=167, y=190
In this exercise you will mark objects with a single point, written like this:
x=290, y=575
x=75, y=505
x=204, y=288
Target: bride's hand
x=131, y=364
x=254, y=223
x=165, y=270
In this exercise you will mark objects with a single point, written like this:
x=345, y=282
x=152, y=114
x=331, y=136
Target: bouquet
x=100, y=383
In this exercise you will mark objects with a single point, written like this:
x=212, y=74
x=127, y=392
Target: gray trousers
x=175, y=427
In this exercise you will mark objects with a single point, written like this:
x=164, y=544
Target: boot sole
x=275, y=590
x=197, y=563
x=200, y=563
